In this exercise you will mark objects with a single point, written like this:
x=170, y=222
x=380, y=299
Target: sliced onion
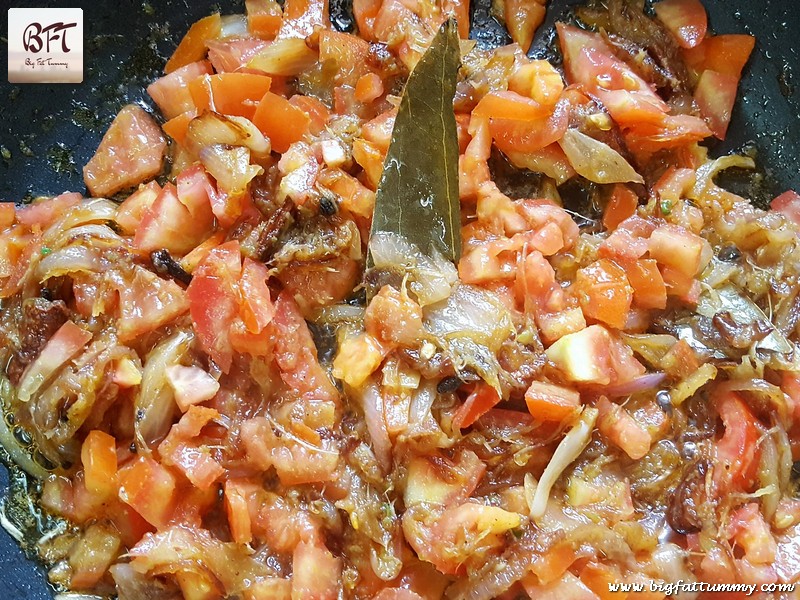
x=71, y=259
x=645, y=382
x=154, y=403
x=65, y=343
x=230, y=167
x=18, y=455
x=431, y=277
x=473, y=313
x=567, y=451
x=287, y=57
x=595, y=160
x=212, y=128
x=372, y=404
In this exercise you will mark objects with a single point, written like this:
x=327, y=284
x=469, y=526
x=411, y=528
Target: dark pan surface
x=48, y=132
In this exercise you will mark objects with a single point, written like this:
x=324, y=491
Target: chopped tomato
x=568, y=587
x=45, y=212
x=604, y=293
x=280, y=121
x=146, y=302
x=131, y=151
x=437, y=480
x=788, y=203
x=168, y=224
x=726, y=54
x=301, y=18
x=686, y=20
x=257, y=309
x=235, y=94
x=316, y=572
x=520, y=124
x=193, y=45
x=621, y=205
x=180, y=449
x=130, y=213
x=715, y=95
x=590, y=61
x=347, y=51
x=316, y=110
x=191, y=385
x=171, y=92
x=369, y=87
x=370, y=158
x=679, y=249
x=233, y=54
x=8, y=214
x=296, y=354
x=593, y=356
x=649, y=290
x=365, y=12
x=214, y=301
x=483, y=398
x=264, y=18
x=622, y=429
x=737, y=453
x=149, y=489
x=550, y=402
x=99, y=459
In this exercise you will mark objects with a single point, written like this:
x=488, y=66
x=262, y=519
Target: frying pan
x=48, y=132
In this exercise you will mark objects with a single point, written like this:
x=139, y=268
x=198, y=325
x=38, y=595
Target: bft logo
x=45, y=45
x=32, y=37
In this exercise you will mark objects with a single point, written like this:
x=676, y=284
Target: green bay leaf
x=418, y=193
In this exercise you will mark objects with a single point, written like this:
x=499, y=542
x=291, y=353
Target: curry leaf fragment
x=418, y=193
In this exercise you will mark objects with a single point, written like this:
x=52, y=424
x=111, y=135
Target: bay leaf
x=417, y=196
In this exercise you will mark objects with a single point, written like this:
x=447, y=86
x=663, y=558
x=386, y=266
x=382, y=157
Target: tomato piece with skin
x=686, y=20
x=171, y=92
x=130, y=212
x=482, y=399
x=168, y=224
x=550, y=402
x=193, y=45
x=520, y=124
x=179, y=448
x=214, y=301
x=604, y=293
x=148, y=488
x=263, y=18
x=280, y=121
x=191, y=385
x=590, y=61
x=788, y=203
x=99, y=460
x=622, y=429
x=726, y=54
x=621, y=205
x=316, y=572
x=146, y=302
x=296, y=354
x=649, y=290
x=131, y=152
x=737, y=453
x=256, y=308
x=236, y=94
x=715, y=95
